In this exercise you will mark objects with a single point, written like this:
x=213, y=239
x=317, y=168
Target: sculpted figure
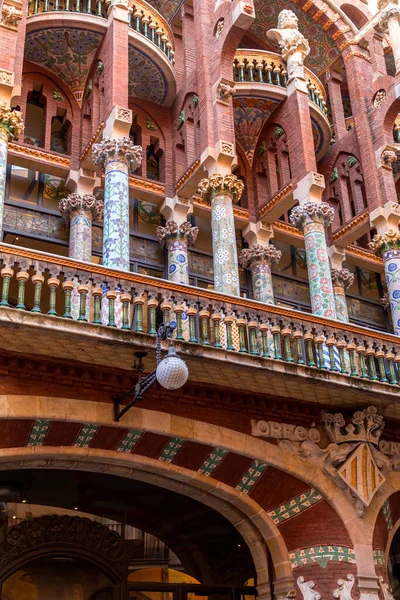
x=294, y=46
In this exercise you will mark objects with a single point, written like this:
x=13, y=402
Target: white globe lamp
x=172, y=372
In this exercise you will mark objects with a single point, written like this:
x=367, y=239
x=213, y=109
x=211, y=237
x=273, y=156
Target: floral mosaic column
x=260, y=259
x=222, y=191
x=177, y=239
x=117, y=157
x=312, y=218
x=81, y=211
x=341, y=279
x=11, y=126
x=388, y=246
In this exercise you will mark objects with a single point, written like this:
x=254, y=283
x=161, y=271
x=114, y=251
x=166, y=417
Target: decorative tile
x=379, y=558
x=251, y=476
x=86, y=435
x=321, y=555
x=295, y=506
x=212, y=461
x=130, y=440
x=171, y=450
x=387, y=513
x=38, y=432
x=146, y=79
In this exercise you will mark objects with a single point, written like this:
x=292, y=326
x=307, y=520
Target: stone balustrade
x=44, y=284
x=89, y=7
x=149, y=23
x=259, y=66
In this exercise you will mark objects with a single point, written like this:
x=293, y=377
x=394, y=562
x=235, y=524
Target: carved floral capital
x=387, y=241
x=342, y=278
x=11, y=15
x=390, y=12
x=88, y=202
x=258, y=253
x=11, y=121
x=172, y=231
x=221, y=184
x=319, y=212
x=122, y=149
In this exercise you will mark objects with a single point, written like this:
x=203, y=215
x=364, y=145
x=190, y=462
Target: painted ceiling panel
x=323, y=49
x=146, y=79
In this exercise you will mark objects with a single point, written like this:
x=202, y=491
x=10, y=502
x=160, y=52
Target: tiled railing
x=149, y=23
x=42, y=283
x=89, y=7
x=259, y=66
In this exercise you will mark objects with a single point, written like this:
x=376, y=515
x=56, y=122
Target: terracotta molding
x=352, y=225
x=42, y=155
x=275, y=200
x=92, y=141
x=186, y=176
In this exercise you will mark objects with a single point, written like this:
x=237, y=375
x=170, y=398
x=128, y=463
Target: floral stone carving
x=122, y=149
x=258, y=253
x=88, y=203
x=343, y=592
x=387, y=241
x=294, y=46
x=221, y=184
x=342, y=278
x=11, y=15
x=318, y=212
x=172, y=231
x=11, y=121
x=307, y=589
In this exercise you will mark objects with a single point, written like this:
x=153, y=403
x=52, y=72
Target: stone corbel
x=119, y=9
x=6, y=85
x=176, y=209
x=82, y=181
x=219, y=159
x=11, y=13
x=310, y=188
x=258, y=233
x=224, y=90
x=119, y=123
x=386, y=218
x=243, y=14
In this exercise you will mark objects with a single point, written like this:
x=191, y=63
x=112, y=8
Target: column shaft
x=80, y=236
x=341, y=279
x=319, y=274
x=116, y=216
x=178, y=269
x=391, y=261
x=261, y=276
x=226, y=270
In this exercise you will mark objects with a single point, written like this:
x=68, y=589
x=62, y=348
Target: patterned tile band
x=38, y=432
x=251, y=476
x=130, y=440
x=86, y=435
x=379, y=558
x=212, y=461
x=171, y=450
x=387, y=513
x=321, y=555
x=295, y=506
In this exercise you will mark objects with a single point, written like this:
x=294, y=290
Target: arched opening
x=355, y=14
x=394, y=564
x=35, y=117
x=60, y=138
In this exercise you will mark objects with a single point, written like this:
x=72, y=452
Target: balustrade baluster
x=37, y=281
x=259, y=67
x=204, y=315
x=66, y=7
x=153, y=27
x=341, y=345
x=97, y=294
x=137, y=16
x=241, y=70
x=268, y=69
x=277, y=73
x=380, y=355
x=216, y=320
x=77, y=5
x=351, y=349
x=138, y=301
x=319, y=342
x=158, y=36
x=276, y=330
x=264, y=340
x=252, y=326
x=191, y=313
x=36, y=8
x=164, y=40
x=126, y=300
x=370, y=354
x=397, y=362
x=361, y=359
x=152, y=305
x=179, y=309
x=250, y=67
x=46, y=6
x=89, y=7
x=83, y=290
x=111, y=296
x=99, y=8
x=286, y=334
x=67, y=287
x=7, y=275
x=241, y=325
x=166, y=309
x=229, y=320
x=145, y=22
x=392, y=369
x=308, y=341
x=331, y=349
x=298, y=338
x=22, y=278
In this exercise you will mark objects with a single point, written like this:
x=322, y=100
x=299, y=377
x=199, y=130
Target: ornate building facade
x=229, y=169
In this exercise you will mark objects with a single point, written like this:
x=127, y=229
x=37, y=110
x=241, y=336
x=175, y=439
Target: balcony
x=230, y=341
x=259, y=73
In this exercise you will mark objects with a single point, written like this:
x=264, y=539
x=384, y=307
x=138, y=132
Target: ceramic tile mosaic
x=387, y=513
x=38, y=432
x=171, y=450
x=130, y=440
x=251, y=476
x=379, y=558
x=295, y=506
x=321, y=555
x=86, y=435
x=212, y=461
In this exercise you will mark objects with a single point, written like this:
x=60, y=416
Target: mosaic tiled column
x=222, y=191
x=260, y=260
x=312, y=218
x=390, y=22
x=341, y=279
x=11, y=126
x=117, y=157
x=81, y=211
x=388, y=246
x=177, y=238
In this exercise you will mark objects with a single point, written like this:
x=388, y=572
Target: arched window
x=60, y=140
x=35, y=117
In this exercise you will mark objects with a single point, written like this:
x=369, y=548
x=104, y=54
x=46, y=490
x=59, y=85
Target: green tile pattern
x=38, y=432
x=321, y=555
x=295, y=506
x=387, y=513
x=171, y=449
x=251, y=476
x=379, y=558
x=212, y=461
x=86, y=435
x=130, y=440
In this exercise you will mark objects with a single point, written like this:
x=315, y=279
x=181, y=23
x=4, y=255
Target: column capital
x=388, y=241
x=10, y=121
x=342, y=278
x=88, y=203
x=386, y=218
x=174, y=232
x=317, y=212
x=122, y=149
x=391, y=11
x=221, y=184
x=259, y=254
